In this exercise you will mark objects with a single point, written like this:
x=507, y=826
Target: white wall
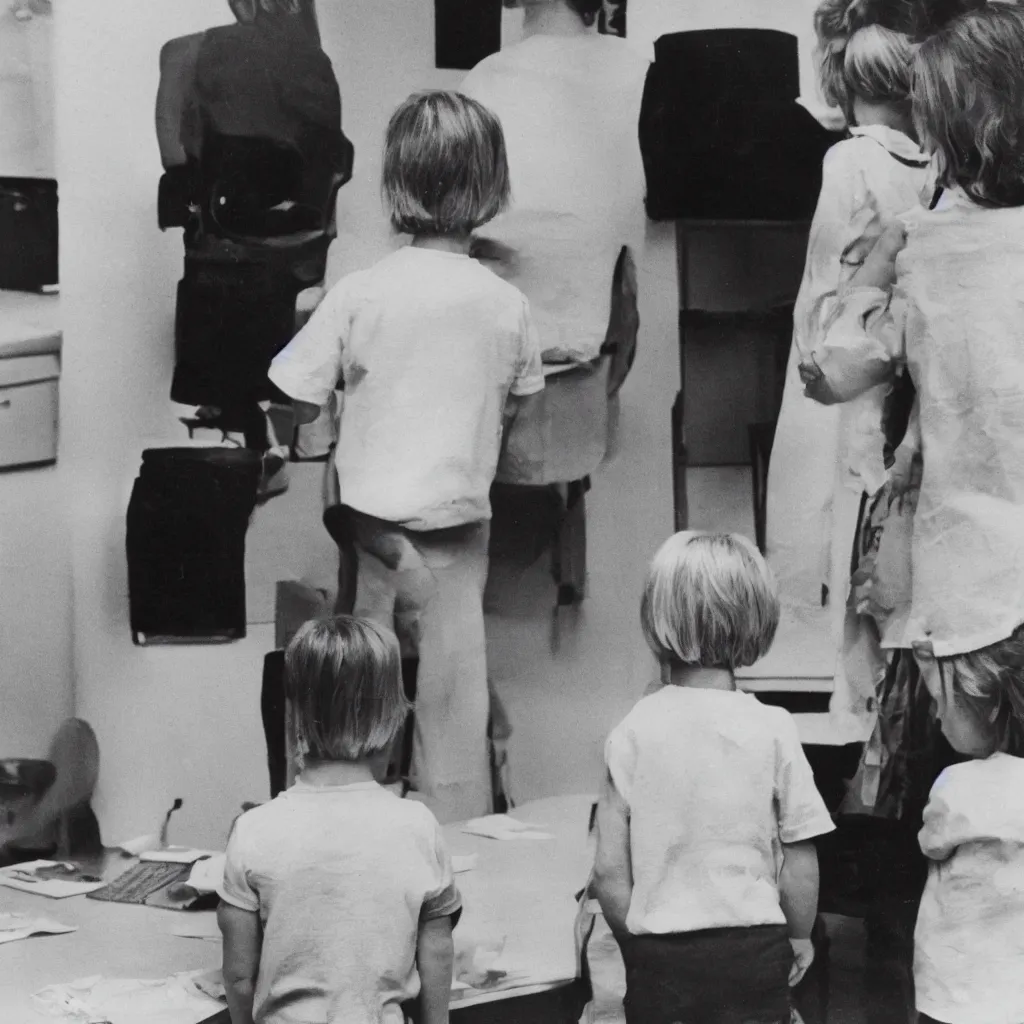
x=26, y=96
x=185, y=721
x=170, y=721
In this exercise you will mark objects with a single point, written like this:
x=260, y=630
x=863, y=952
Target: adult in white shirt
x=569, y=102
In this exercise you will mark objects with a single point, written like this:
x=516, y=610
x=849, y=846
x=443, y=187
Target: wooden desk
x=521, y=890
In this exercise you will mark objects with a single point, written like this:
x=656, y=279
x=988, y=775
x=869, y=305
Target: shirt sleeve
x=946, y=823
x=529, y=377
x=309, y=367
x=834, y=231
x=620, y=759
x=802, y=812
x=443, y=899
x=861, y=346
x=235, y=887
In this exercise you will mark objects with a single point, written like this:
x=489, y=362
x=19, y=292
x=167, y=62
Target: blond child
x=431, y=346
x=824, y=461
x=338, y=897
x=969, y=940
x=705, y=869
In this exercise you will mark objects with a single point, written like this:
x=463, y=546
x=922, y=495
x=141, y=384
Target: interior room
x=157, y=561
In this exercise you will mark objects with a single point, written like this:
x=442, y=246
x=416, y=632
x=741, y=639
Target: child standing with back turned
x=969, y=941
x=430, y=346
x=706, y=870
x=338, y=898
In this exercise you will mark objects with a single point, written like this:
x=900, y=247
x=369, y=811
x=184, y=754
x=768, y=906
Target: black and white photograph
x=512, y=512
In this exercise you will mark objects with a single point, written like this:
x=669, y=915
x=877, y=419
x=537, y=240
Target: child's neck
x=458, y=244
x=337, y=773
x=887, y=116
x=552, y=19
x=695, y=677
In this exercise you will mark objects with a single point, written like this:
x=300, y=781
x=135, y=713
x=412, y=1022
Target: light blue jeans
x=428, y=587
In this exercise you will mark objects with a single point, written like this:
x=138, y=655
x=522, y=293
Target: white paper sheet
x=207, y=874
x=23, y=877
x=140, y=844
x=14, y=927
x=198, y=926
x=175, y=1000
x=462, y=864
x=501, y=826
x=176, y=855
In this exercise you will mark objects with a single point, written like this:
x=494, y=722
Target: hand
x=813, y=378
x=904, y=479
x=879, y=268
x=803, y=957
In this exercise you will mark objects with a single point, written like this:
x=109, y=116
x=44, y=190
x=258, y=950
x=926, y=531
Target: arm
x=613, y=870
x=798, y=887
x=435, y=959
x=243, y=941
x=798, y=895
x=308, y=368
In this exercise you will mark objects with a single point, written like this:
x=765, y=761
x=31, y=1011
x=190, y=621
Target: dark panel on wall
x=466, y=31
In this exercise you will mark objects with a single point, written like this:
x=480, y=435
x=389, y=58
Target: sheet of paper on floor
x=14, y=927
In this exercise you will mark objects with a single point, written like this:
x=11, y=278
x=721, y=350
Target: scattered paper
x=175, y=855
x=461, y=864
x=23, y=926
x=198, y=926
x=24, y=878
x=139, y=845
x=176, y=1000
x=207, y=874
x=501, y=826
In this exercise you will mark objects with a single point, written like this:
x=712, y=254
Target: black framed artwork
x=612, y=19
x=465, y=32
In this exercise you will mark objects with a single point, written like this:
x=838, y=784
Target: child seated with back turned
x=969, y=941
x=430, y=345
x=338, y=898
x=705, y=869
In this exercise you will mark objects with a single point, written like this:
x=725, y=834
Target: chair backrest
x=75, y=757
x=624, y=322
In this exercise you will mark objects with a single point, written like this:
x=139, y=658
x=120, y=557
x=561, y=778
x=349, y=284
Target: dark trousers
x=717, y=976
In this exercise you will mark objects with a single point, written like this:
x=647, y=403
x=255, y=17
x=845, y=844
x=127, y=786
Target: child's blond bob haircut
x=710, y=600
x=343, y=680
x=445, y=165
x=861, y=59
x=991, y=682
x=968, y=98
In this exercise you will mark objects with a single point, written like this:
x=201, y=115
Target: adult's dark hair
x=588, y=10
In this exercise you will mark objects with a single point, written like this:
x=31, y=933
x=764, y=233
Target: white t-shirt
x=430, y=345
x=341, y=877
x=969, y=942
x=570, y=110
x=715, y=781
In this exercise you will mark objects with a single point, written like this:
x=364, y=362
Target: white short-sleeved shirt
x=969, y=942
x=715, y=781
x=341, y=877
x=429, y=344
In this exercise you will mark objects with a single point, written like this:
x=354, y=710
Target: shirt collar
x=895, y=142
